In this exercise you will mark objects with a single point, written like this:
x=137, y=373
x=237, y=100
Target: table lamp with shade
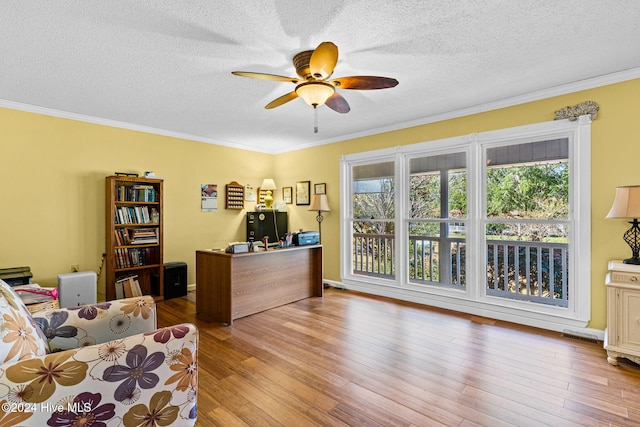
x=268, y=184
x=319, y=203
x=627, y=205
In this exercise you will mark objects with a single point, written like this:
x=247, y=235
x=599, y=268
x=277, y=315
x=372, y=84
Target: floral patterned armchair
x=104, y=364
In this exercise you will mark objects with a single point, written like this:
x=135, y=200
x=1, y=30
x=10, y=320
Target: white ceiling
x=165, y=65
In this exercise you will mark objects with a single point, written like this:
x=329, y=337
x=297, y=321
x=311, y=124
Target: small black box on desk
x=301, y=238
x=175, y=280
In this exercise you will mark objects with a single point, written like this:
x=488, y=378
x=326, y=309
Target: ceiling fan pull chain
x=315, y=119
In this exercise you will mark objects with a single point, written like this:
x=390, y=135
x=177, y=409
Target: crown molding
x=573, y=87
x=123, y=125
x=577, y=86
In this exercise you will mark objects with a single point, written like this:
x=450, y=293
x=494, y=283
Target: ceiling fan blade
x=265, y=76
x=337, y=103
x=323, y=60
x=364, y=82
x=281, y=100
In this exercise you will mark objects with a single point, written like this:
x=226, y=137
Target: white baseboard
x=191, y=287
x=584, y=332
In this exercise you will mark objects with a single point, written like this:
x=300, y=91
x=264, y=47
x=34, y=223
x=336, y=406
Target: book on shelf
x=141, y=236
x=120, y=263
x=136, y=257
x=136, y=215
x=135, y=287
x=136, y=236
x=119, y=286
x=128, y=287
x=128, y=293
x=136, y=193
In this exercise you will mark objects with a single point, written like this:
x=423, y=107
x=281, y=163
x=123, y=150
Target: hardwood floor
x=359, y=360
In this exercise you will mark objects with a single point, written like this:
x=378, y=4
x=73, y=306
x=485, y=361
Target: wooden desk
x=230, y=286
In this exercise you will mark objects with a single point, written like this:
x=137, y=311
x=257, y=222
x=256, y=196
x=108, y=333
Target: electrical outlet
x=75, y=267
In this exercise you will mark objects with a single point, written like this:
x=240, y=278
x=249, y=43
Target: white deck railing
x=539, y=272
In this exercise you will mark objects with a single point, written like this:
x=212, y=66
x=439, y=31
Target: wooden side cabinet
x=622, y=337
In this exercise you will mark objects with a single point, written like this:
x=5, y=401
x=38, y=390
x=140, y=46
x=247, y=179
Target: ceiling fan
x=314, y=67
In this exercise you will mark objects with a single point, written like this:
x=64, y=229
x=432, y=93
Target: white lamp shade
x=627, y=203
x=315, y=93
x=268, y=184
x=319, y=203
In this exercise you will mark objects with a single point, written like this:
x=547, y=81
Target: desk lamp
x=268, y=184
x=320, y=204
x=627, y=205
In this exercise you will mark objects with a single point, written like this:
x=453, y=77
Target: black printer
x=301, y=238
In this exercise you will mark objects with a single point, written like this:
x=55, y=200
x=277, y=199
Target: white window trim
x=473, y=300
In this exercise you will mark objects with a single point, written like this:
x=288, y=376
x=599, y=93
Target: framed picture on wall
x=320, y=188
x=287, y=195
x=303, y=189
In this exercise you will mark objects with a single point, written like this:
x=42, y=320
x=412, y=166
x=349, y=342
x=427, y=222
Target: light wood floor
x=358, y=360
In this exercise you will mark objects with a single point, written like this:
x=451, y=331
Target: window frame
x=452, y=145
x=474, y=298
x=347, y=217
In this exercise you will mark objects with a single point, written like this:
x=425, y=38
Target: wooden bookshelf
x=134, y=240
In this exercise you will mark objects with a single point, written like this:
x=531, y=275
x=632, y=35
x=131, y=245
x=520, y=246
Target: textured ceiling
x=166, y=65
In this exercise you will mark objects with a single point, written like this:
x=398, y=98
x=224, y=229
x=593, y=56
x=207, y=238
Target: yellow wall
x=615, y=154
x=52, y=183
x=53, y=191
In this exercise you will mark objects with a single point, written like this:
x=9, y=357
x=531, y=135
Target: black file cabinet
x=175, y=280
x=266, y=223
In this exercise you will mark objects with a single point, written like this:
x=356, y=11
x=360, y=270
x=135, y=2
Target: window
x=491, y=223
x=373, y=227
x=437, y=227
x=527, y=221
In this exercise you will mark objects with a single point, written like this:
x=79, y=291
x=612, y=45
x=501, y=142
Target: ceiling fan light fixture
x=315, y=67
x=315, y=93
